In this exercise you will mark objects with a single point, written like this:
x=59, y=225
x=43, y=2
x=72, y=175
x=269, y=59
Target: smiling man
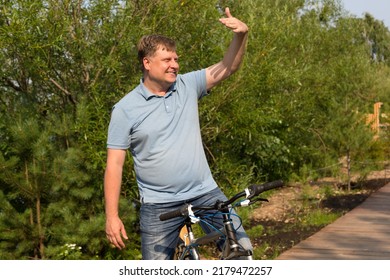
x=159, y=122
x=159, y=61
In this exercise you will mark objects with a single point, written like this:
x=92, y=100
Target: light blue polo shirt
x=163, y=135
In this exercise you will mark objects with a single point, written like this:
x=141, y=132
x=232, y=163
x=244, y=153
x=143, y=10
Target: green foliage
x=319, y=218
x=255, y=231
x=297, y=104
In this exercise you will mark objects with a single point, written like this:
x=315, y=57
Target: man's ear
x=146, y=63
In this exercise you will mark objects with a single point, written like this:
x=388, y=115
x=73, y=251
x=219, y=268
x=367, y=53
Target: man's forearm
x=112, y=187
x=235, y=53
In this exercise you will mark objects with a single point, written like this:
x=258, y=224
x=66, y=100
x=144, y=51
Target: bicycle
x=187, y=248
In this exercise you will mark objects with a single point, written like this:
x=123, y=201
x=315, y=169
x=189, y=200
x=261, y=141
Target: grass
x=319, y=218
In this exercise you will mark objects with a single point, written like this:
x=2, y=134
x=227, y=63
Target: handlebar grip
x=182, y=211
x=255, y=190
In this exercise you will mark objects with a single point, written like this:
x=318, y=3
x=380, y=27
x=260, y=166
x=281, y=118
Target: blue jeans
x=159, y=238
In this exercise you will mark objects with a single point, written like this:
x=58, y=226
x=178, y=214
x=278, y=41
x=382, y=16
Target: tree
x=377, y=36
x=51, y=182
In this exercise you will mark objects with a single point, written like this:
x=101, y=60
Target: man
x=158, y=121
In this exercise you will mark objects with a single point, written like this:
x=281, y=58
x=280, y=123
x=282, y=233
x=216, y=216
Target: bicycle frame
x=230, y=249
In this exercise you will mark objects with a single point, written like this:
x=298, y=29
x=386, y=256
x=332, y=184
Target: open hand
x=233, y=23
x=115, y=231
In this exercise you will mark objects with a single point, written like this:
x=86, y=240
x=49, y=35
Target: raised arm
x=234, y=54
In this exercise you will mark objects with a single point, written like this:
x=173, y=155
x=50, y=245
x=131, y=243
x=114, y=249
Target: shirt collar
x=148, y=95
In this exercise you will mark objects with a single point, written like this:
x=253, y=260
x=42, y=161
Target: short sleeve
x=118, y=130
x=197, y=81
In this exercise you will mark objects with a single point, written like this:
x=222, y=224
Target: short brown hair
x=148, y=45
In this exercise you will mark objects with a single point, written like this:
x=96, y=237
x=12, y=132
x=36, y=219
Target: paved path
x=361, y=234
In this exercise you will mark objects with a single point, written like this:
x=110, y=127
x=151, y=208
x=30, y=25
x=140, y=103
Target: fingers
x=117, y=241
x=124, y=234
x=114, y=241
x=115, y=234
x=227, y=12
x=233, y=23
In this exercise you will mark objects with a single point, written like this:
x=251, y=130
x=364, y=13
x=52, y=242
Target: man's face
x=163, y=67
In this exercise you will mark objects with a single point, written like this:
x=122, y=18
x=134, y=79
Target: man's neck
x=156, y=88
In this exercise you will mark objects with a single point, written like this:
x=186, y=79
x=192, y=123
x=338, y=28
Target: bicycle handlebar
x=255, y=190
x=251, y=192
x=182, y=211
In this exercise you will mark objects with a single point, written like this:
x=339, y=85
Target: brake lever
x=258, y=199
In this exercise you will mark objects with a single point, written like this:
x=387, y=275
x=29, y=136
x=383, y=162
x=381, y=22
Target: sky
x=379, y=9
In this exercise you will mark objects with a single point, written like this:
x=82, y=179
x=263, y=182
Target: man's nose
x=174, y=63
